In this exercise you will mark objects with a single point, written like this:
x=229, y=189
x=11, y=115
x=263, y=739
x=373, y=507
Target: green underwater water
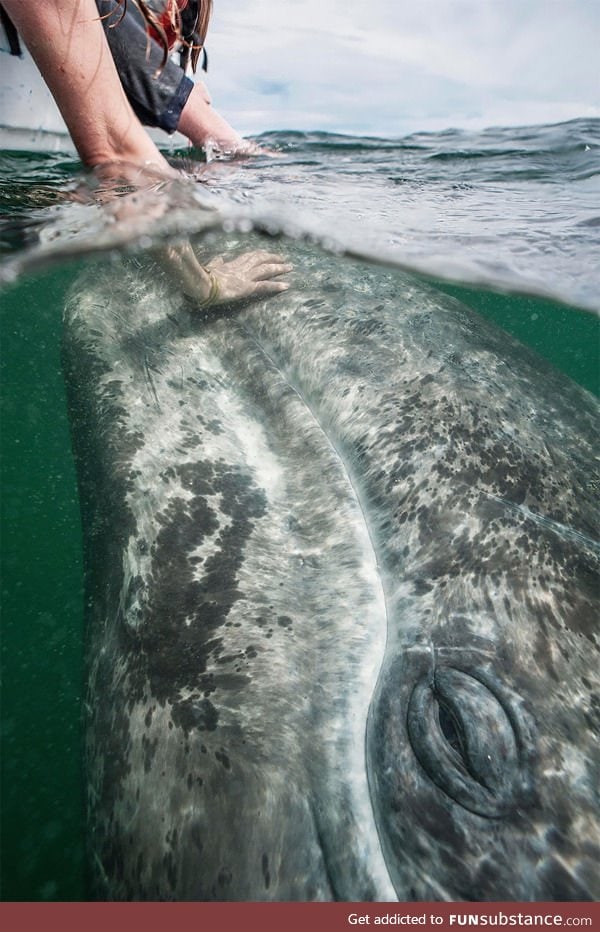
x=41, y=570
x=42, y=604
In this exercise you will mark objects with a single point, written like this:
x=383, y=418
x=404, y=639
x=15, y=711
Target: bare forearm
x=203, y=125
x=66, y=39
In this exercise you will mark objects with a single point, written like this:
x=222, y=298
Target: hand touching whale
x=218, y=282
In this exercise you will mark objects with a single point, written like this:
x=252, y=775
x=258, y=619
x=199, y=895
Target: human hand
x=250, y=275
x=219, y=282
x=244, y=149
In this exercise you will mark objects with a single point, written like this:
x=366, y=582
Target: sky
x=393, y=67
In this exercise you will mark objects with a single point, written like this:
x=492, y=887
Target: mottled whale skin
x=341, y=588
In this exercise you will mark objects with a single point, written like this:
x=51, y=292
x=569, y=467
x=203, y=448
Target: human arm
x=66, y=40
x=204, y=126
x=159, y=91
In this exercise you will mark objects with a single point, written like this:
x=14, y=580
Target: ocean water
x=507, y=220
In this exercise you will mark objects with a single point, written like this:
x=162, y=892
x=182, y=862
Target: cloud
x=392, y=66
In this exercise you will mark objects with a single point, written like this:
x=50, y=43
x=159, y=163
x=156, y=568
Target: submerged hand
x=216, y=152
x=250, y=275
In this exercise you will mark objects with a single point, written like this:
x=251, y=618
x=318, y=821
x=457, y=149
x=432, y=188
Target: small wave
x=508, y=209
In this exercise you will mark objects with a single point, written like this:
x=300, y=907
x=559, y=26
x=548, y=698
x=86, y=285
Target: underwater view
x=473, y=254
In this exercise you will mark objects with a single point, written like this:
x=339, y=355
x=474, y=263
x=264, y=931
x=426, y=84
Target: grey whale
x=341, y=590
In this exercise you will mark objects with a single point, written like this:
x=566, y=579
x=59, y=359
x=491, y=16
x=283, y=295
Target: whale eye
x=450, y=729
x=465, y=741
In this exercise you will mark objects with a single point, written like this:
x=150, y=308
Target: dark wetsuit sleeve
x=156, y=98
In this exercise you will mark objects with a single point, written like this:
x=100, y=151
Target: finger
x=270, y=287
x=270, y=270
x=250, y=262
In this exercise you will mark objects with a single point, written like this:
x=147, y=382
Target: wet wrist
x=214, y=292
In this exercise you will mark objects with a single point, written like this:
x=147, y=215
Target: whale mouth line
x=323, y=849
x=310, y=408
x=381, y=870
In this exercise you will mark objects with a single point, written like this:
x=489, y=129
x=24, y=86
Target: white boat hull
x=30, y=121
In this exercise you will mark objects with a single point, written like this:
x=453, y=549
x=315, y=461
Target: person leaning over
x=67, y=41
